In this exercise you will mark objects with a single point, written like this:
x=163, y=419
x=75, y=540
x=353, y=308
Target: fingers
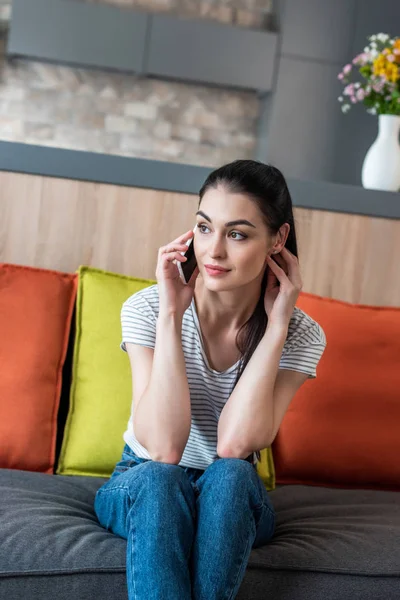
x=171, y=256
x=275, y=263
x=172, y=247
x=289, y=265
x=183, y=238
x=178, y=244
x=174, y=251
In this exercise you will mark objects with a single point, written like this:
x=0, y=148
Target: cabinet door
x=207, y=52
x=78, y=33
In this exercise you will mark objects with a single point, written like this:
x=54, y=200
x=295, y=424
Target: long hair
x=266, y=186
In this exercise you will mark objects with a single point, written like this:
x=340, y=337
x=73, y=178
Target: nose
x=217, y=246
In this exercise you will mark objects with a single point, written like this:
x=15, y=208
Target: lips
x=216, y=268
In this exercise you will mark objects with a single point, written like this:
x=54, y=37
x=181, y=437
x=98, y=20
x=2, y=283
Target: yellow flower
x=392, y=72
x=384, y=68
x=396, y=46
x=379, y=64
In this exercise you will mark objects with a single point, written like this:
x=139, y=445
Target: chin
x=219, y=284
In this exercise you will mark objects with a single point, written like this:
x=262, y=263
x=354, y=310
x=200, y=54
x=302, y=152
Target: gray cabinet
x=203, y=51
x=112, y=37
x=78, y=33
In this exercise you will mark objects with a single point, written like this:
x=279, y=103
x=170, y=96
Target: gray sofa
x=329, y=544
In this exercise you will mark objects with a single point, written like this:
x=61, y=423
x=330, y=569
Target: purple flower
x=360, y=94
x=349, y=89
x=347, y=69
x=360, y=59
x=378, y=87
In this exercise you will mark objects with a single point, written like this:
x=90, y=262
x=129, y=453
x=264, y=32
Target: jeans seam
x=271, y=512
x=133, y=559
x=230, y=597
x=113, y=488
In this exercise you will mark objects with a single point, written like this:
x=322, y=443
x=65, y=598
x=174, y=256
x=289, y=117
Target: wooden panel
x=61, y=224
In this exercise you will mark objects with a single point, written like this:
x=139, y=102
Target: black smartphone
x=187, y=268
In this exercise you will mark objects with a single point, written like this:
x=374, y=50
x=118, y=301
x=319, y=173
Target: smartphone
x=187, y=268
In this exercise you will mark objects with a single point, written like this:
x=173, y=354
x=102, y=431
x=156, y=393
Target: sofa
x=332, y=472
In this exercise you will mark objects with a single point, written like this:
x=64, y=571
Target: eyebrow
x=230, y=223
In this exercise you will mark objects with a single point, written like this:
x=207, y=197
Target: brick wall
x=128, y=115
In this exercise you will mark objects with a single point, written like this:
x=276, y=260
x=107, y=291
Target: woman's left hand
x=280, y=300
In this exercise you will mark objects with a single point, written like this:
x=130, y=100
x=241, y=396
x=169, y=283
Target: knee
x=235, y=469
x=162, y=469
x=155, y=475
x=236, y=478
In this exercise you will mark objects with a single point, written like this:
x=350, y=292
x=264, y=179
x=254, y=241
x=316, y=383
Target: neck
x=228, y=310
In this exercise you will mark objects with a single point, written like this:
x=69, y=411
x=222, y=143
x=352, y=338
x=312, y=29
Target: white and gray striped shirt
x=210, y=389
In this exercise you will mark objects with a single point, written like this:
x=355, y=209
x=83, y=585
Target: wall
x=350, y=257
x=127, y=115
x=303, y=120
x=299, y=128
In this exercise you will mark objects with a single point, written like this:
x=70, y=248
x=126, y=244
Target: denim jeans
x=189, y=531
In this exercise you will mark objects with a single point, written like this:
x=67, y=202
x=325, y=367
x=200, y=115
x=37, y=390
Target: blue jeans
x=189, y=531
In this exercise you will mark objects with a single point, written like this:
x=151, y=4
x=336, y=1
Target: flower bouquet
x=379, y=90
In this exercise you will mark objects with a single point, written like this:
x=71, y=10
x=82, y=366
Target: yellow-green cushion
x=266, y=469
x=101, y=390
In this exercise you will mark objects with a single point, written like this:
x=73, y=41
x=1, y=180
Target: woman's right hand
x=175, y=296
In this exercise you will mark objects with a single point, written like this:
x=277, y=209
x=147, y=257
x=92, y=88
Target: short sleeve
x=138, y=322
x=303, y=352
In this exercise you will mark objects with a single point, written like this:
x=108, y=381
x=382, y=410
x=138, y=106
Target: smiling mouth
x=214, y=271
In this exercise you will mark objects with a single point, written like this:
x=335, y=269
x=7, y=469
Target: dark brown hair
x=266, y=186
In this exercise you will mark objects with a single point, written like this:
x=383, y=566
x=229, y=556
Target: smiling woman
x=245, y=215
x=206, y=388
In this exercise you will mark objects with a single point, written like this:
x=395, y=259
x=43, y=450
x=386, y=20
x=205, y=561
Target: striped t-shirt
x=210, y=389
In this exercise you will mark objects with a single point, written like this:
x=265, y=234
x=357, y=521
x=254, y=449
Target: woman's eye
x=237, y=233
x=233, y=233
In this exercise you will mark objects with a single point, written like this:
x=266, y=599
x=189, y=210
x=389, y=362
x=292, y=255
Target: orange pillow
x=36, y=307
x=342, y=429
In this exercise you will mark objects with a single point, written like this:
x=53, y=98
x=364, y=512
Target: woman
x=214, y=364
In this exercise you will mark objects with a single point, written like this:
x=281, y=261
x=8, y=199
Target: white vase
x=381, y=167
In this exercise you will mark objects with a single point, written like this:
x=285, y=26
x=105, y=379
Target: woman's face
x=240, y=247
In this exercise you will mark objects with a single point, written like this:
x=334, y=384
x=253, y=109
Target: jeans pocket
x=128, y=454
x=128, y=460
x=122, y=466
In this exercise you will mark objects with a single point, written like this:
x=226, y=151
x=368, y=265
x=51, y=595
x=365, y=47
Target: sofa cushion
x=36, y=307
x=49, y=531
x=343, y=430
x=101, y=390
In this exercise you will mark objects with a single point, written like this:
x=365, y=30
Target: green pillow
x=101, y=390
x=266, y=469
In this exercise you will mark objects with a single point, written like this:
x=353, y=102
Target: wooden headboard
x=61, y=224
